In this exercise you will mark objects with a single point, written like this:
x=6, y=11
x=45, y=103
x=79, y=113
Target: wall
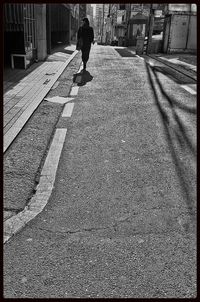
x=178, y=31
x=40, y=12
x=192, y=35
x=182, y=36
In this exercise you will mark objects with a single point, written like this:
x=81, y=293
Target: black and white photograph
x=99, y=150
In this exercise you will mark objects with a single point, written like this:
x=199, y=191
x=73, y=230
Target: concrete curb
x=14, y=224
x=179, y=69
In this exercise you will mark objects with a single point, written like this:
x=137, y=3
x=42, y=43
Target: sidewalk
x=25, y=89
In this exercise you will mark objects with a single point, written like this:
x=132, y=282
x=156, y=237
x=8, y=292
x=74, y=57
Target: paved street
x=120, y=218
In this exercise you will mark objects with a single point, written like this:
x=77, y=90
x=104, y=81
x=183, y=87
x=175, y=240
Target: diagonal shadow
x=183, y=178
x=171, y=99
x=173, y=102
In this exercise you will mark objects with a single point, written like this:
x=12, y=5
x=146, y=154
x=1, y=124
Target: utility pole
x=99, y=23
x=128, y=17
x=102, y=26
x=150, y=31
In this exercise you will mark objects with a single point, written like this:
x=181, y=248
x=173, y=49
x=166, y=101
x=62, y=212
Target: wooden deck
x=25, y=89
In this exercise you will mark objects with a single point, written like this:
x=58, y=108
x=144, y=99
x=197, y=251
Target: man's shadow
x=84, y=77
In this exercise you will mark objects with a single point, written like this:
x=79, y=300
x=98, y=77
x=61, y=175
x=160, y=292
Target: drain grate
x=124, y=52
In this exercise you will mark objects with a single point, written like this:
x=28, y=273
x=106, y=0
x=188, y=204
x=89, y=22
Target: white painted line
x=74, y=91
x=43, y=191
x=191, y=89
x=163, y=58
x=151, y=63
x=67, y=112
x=58, y=99
x=140, y=57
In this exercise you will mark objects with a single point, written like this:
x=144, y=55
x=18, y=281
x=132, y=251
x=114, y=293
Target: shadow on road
x=178, y=131
x=82, y=77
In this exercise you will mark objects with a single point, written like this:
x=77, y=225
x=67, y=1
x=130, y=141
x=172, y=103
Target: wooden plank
x=11, y=122
x=22, y=102
x=7, y=107
x=20, y=122
x=25, y=115
x=10, y=119
x=34, y=73
x=35, y=77
x=23, y=88
x=18, y=91
x=7, y=98
x=40, y=73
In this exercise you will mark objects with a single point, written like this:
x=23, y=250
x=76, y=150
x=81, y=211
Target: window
x=122, y=6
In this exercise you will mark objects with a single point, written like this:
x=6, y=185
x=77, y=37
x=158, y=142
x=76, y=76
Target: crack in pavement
x=114, y=226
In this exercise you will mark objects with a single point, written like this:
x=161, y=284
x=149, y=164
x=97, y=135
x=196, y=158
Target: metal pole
x=151, y=24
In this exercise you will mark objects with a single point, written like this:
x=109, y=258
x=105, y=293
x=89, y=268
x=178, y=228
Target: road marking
x=58, y=99
x=67, y=112
x=151, y=63
x=74, y=91
x=140, y=57
x=190, y=88
x=43, y=190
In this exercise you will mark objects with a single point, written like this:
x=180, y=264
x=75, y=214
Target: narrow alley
x=107, y=203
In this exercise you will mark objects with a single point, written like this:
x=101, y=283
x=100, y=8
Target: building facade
x=177, y=22
x=180, y=28
x=20, y=32
x=32, y=31
x=82, y=12
x=90, y=14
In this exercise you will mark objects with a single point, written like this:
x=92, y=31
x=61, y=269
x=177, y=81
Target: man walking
x=86, y=36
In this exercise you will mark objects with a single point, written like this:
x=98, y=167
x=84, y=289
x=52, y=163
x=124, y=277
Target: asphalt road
x=121, y=220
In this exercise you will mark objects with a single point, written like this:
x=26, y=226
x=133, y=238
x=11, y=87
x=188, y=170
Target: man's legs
x=85, y=56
